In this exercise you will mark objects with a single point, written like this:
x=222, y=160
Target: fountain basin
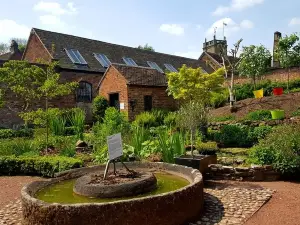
x=172, y=208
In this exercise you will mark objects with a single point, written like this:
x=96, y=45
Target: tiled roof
x=218, y=58
x=6, y=56
x=136, y=75
x=115, y=53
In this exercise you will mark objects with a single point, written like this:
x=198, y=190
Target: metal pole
x=115, y=173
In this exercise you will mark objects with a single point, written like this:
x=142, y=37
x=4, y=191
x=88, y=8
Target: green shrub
x=159, y=115
x=171, y=119
x=69, y=131
x=40, y=166
x=296, y=113
x=233, y=136
x=57, y=125
x=207, y=148
x=223, y=118
x=281, y=149
x=259, y=115
x=9, y=133
x=100, y=104
x=145, y=119
x=219, y=99
x=259, y=133
x=139, y=136
x=78, y=121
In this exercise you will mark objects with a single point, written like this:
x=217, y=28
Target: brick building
x=127, y=76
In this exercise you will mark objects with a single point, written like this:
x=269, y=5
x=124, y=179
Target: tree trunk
x=192, y=142
x=288, y=83
x=231, y=94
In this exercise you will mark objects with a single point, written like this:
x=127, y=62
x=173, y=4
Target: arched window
x=84, y=92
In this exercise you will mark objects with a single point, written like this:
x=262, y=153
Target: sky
x=174, y=27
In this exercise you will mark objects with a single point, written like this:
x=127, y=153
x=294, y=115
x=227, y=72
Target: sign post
x=115, y=150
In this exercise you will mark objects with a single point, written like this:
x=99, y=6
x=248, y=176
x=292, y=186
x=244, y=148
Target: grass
x=229, y=156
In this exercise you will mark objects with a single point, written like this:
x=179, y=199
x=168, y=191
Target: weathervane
x=215, y=31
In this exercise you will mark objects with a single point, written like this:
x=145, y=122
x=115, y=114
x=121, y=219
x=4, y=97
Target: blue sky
x=175, y=27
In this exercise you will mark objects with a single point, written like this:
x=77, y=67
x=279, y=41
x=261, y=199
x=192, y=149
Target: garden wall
x=254, y=173
x=219, y=125
x=277, y=75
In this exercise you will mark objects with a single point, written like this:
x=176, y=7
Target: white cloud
x=55, y=8
x=231, y=27
x=236, y=5
x=174, y=29
x=189, y=54
x=247, y=24
x=10, y=29
x=51, y=20
x=294, y=22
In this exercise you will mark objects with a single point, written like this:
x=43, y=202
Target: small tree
x=30, y=83
x=194, y=88
x=255, y=62
x=232, y=63
x=100, y=104
x=288, y=53
x=146, y=47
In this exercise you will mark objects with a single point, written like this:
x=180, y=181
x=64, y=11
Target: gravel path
x=283, y=207
x=226, y=202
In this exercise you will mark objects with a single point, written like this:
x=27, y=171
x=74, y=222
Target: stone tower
x=215, y=45
x=277, y=37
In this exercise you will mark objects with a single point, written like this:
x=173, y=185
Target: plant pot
x=278, y=91
x=277, y=114
x=258, y=93
x=199, y=162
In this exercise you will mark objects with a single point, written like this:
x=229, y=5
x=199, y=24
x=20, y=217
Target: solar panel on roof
x=75, y=56
x=154, y=66
x=129, y=61
x=171, y=68
x=104, y=61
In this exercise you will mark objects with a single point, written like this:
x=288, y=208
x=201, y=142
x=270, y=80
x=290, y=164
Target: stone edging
x=254, y=173
x=177, y=207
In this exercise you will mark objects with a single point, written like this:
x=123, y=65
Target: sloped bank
x=172, y=208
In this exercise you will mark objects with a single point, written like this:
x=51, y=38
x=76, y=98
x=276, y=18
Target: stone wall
x=253, y=173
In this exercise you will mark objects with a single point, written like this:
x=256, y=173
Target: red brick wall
x=160, y=99
x=9, y=118
x=114, y=82
x=35, y=50
x=279, y=75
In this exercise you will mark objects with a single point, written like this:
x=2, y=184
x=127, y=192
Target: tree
x=232, y=65
x=288, y=53
x=255, y=62
x=194, y=88
x=4, y=47
x=146, y=47
x=1, y=98
x=194, y=84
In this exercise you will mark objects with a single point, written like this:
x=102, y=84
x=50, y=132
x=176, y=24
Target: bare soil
x=283, y=207
x=120, y=177
x=288, y=102
x=10, y=187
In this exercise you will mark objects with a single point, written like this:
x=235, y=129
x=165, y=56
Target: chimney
x=14, y=47
x=277, y=37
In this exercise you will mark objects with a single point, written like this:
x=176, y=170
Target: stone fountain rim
x=197, y=178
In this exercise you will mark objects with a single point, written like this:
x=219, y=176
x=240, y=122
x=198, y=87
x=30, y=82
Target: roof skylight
x=104, y=61
x=75, y=56
x=171, y=68
x=154, y=66
x=129, y=61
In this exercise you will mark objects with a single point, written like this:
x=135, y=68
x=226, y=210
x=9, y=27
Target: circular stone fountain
x=62, y=200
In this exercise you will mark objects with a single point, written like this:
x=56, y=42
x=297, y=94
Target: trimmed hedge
x=9, y=133
x=45, y=166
